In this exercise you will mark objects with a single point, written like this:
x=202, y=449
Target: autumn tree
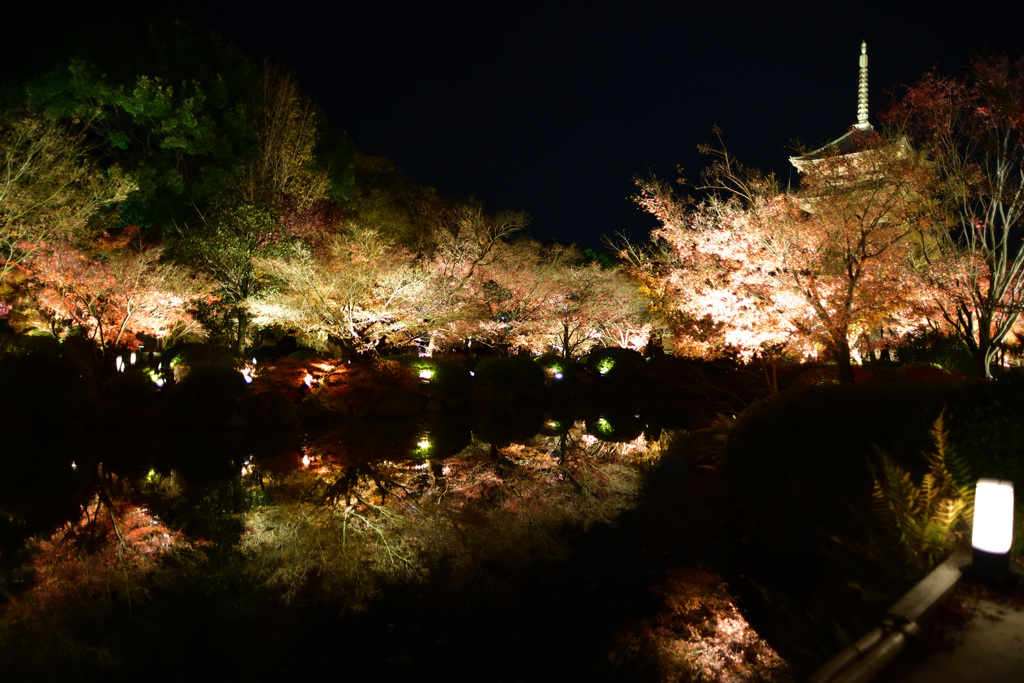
x=386, y=201
x=355, y=292
x=116, y=291
x=284, y=125
x=972, y=129
x=587, y=305
x=814, y=268
x=550, y=297
x=49, y=189
x=465, y=239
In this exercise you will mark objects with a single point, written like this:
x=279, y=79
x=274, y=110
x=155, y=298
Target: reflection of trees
x=348, y=530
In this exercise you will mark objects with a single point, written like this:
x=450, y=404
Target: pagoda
x=860, y=134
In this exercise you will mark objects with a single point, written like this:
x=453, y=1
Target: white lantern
x=992, y=534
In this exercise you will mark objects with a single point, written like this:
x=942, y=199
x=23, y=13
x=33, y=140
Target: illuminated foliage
x=118, y=291
x=546, y=297
x=812, y=270
x=49, y=189
x=224, y=247
x=386, y=522
x=357, y=292
x=973, y=131
x=701, y=635
x=106, y=552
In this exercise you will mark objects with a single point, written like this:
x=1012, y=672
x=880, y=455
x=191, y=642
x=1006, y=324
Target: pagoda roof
x=857, y=139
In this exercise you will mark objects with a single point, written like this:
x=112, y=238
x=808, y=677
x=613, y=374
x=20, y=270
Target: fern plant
x=922, y=519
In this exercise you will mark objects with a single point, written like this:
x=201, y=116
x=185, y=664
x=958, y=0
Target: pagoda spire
x=862, y=90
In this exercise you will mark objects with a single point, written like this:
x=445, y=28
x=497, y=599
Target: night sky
x=554, y=111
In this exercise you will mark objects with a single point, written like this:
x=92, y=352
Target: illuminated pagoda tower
x=854, y=140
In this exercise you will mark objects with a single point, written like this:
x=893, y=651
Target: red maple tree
x=115, y=290
x=819, y=269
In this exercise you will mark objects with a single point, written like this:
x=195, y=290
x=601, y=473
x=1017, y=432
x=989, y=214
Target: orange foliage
x=103, y=552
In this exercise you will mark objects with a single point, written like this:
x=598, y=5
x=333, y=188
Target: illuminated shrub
x=437, y=376
x=558, y=371
x=616, y=426
x=616, y=365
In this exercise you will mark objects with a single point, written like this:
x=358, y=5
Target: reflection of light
x=558, y=375
x=426, y=374
x=73, y=465
x=472, y=374
x=993, y=516
x=247, y=375
x=308, y=380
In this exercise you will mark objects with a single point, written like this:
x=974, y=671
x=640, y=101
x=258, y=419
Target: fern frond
x=922, y=518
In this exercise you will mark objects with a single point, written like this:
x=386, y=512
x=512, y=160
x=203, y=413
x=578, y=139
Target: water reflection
x=352, y=524
x=335, y=516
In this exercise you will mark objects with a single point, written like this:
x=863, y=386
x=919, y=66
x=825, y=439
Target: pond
x=519, y=546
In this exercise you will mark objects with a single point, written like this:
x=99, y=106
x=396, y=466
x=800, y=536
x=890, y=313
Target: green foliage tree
x=224, y=246
x=192, y=118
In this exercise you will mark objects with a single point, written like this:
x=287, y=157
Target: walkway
x=950, y=627
x=977, y=634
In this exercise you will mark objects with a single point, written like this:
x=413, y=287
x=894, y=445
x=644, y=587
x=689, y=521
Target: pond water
x=501, y=547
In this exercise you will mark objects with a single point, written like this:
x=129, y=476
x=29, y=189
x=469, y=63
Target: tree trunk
x=841, y=349
x=243, y=330
x=983, y=356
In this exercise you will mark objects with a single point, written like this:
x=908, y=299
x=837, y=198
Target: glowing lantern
x=426, y=374
x=133, y=358
x=305, y=461
x=119, y=363
x=308, y=380
x=247, y=375
x=993, y=526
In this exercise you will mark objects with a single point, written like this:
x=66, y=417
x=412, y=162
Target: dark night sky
x=553, y=111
